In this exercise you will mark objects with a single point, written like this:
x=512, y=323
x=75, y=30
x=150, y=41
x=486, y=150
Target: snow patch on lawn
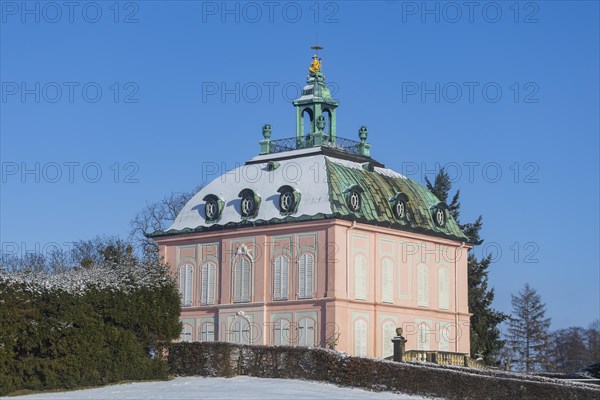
x=239, y=387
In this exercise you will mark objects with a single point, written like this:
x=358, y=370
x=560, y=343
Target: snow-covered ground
x=240, y=387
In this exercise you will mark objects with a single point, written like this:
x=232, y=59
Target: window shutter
x=246, y=279
x=423, y=286
x=389, y=332
x=360, y=277
x=237, y=281
x=205, y=282
x=182, y=283
x=306, y=332
x=284, y=277
x=423, y=337
x=188, y=285
x=277, y=279
x=212, y=270
x=444, y=345
x=360, y=338
x=281, y=332
x=309, y=276
x=387, y=280
x=443, y=285
x=302, y=277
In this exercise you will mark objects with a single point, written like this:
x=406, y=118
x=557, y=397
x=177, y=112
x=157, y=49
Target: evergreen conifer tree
x=484, y=332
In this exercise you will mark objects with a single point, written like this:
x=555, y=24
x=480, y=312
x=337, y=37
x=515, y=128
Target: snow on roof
x=306, y=174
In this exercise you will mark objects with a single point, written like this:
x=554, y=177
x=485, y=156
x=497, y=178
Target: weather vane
x=315, y=66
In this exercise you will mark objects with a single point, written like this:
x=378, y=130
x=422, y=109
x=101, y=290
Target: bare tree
x=157, y=216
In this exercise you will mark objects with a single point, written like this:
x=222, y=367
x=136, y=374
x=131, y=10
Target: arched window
x=186, y=333
x=423, y=337
x=360, y=276
x=186, y=284
x=239, y=331
x=360, y=338
x=423, y=286
x=307, y=332
x=207, y=332
x=387, y=280
x=443, y=288
x=280, y=278
x=307, y=118
x=208, y=283
x=241, y=279
x=305, y=276
x=281, y=332
x=389, y=331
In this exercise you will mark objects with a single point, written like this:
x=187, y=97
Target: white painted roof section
x=305, y=174
x=355, y=165
x=285, y=154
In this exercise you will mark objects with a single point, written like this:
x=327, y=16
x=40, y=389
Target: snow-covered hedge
x=85, y=327
x=227, y=359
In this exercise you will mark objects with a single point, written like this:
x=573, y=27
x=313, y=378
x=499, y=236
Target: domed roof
x=323, y=183
x=315, y=175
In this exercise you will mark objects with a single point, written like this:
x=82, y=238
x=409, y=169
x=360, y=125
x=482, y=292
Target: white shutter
x=205, y=280
x=309, y=276
x=302, y=277
x=212, y=269
x=245, y=279
x=423, y=337
x=306, y=332
x=389, y=331
x=444, y=335
x=277, y=279
x=443, y=286
x=187, y=300
x=360, y=277
x=285, y=266
x=284, y=326
x=423, y=286
x=182, y=283
x=387, y=272
x=360, y=338
x=237, y=281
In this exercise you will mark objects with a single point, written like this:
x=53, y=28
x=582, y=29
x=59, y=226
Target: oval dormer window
x=248, y=205
x=211, y=209
x=213, y=206
x=286, y=201
x=400, y=209
x=440, y=216
x=354, y=201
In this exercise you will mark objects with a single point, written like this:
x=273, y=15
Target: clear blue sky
x=424, y=77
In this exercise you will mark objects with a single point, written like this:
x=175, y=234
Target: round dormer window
x=400, y=209
x=354, y=201
x=286, y=201
x=248, y=205
x=211, y=209
x=440, y=216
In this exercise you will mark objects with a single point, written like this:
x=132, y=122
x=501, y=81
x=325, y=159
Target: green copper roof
x=377, y=189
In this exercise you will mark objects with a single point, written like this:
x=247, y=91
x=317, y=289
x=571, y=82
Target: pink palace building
x=314, y=243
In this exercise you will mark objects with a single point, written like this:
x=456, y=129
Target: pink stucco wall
x=334, y=306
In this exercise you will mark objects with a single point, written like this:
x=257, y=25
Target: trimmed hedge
x=226, y=359
x=91, y=332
